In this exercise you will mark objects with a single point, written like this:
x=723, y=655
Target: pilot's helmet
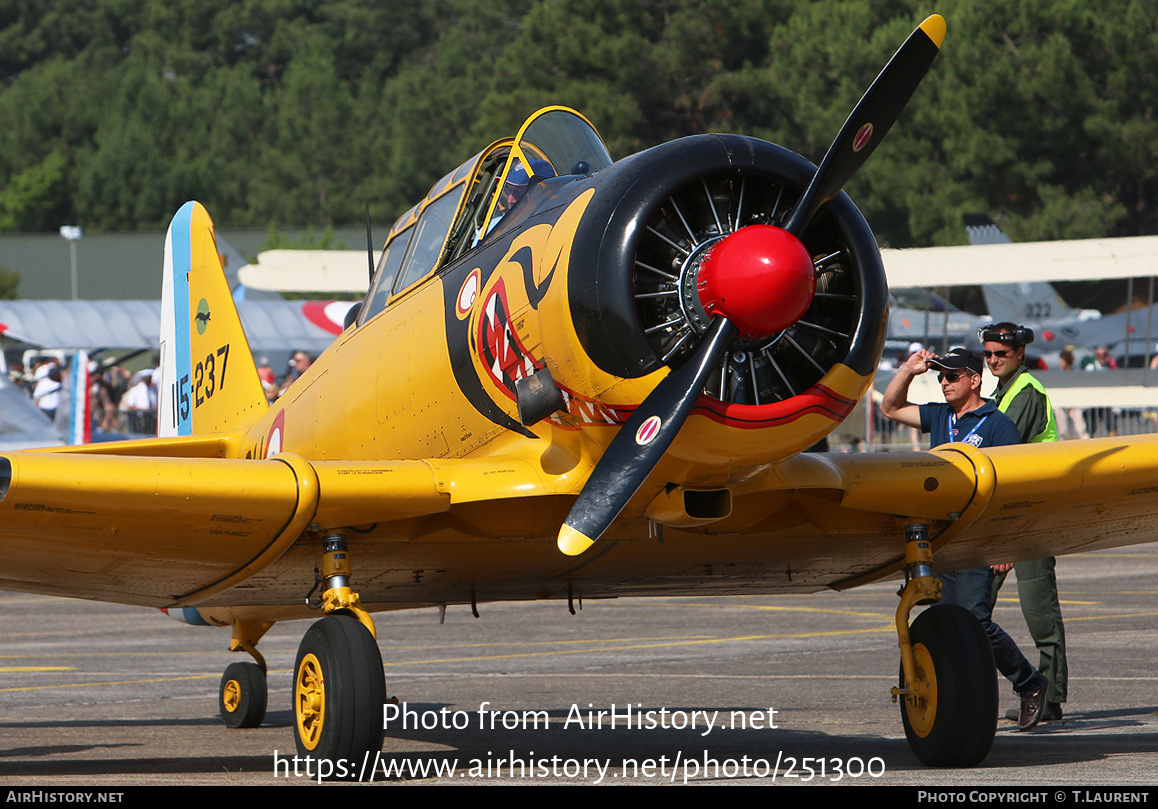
x=518, y=181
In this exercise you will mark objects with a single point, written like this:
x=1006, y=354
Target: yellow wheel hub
x=310, y=701
x=231, y=695
x=921, y=701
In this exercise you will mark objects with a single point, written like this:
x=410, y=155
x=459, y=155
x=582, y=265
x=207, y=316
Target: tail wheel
x=682, y=230
x=950, y=713
x=243, y=695
x=339, y=690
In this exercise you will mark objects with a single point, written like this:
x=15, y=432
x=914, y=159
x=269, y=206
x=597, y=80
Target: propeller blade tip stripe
x=934, y=28
x=572, y=542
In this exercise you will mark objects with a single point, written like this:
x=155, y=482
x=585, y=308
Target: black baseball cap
x=960, y=359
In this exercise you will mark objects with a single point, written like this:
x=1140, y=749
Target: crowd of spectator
x=124, y=402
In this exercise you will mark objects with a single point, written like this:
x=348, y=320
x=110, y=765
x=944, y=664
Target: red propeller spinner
x=760, y=277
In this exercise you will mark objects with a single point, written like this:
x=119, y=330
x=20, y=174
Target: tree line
x=1040, y=113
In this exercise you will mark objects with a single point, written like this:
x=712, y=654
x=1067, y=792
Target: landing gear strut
x=339, y=688
x=948, y=689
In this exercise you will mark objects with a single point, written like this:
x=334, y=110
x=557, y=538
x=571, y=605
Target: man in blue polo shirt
x=965, y=417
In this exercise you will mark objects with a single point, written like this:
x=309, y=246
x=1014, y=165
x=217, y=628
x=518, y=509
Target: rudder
x=209, y=382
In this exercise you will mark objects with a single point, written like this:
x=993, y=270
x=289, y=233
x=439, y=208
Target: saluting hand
x=918, y=362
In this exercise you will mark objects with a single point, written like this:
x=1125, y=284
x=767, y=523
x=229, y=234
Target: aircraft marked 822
x=559, y=351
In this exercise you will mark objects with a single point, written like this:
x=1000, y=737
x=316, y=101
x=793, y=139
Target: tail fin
x=1025, y=302
x=982, y=230
x=1029, y=302
x=209, y=382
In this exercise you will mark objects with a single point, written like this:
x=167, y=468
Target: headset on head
x=1006, y=334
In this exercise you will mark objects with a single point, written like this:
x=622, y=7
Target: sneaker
x=1032, y=705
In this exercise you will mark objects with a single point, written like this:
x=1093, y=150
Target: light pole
x=73, y=233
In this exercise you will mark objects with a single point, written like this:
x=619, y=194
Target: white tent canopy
x=1077, y=260
x=326, y=271
x=270, y=326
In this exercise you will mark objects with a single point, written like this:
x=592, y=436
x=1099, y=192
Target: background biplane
x=561, y=350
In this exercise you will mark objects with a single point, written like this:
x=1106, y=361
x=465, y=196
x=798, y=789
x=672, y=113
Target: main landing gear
x=948, y=689
x=338, y=691
x=338, y=686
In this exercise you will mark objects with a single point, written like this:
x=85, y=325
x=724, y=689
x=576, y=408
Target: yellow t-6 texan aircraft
x=619, y=361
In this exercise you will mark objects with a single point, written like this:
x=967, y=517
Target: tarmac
x=790, y=690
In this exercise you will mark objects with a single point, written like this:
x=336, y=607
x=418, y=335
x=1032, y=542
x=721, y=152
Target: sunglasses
x=950, y=376
x=1001, y=352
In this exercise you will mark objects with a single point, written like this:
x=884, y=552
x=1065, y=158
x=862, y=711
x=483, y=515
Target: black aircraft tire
x=243, y=695
x=339, y=689
x=955, y=718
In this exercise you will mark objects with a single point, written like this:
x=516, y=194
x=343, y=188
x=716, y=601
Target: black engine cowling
x=638, y=308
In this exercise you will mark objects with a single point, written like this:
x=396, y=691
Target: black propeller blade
x=871, y=119
x=642, y=441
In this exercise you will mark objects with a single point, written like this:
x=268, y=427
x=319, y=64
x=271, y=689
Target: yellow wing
x=1003, y=504
x=162, y=531
x=142, y=530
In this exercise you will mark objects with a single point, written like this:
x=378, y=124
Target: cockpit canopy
x=469, y=203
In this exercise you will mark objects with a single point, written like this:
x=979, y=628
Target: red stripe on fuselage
x=818, y=399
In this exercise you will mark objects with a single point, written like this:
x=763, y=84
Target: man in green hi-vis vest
x=1024, y=400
